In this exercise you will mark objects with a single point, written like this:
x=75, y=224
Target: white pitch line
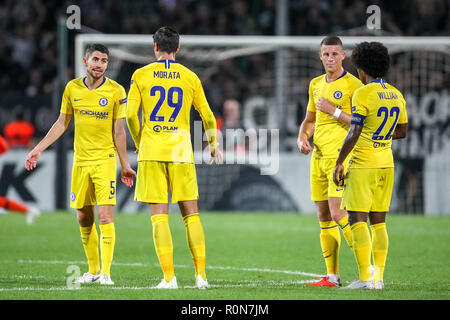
x=237, y=285
x=138, y=264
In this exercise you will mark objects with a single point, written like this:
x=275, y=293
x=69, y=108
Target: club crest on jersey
x=337, y=95
x=103, y=102
x=72, y=196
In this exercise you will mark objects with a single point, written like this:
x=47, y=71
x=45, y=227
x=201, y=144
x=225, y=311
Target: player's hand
x=325, y=106
x=127, y=176
x=216, y=156
x=32, y=159
x=338, y=175
x=303, y=145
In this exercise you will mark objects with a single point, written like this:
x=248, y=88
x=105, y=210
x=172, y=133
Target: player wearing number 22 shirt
x=167, y=90
x=379, y=116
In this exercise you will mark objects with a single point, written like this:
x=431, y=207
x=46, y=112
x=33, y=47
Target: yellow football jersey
x=329, y=132
x=377, y=106
x=94, y=112
x=167, y=90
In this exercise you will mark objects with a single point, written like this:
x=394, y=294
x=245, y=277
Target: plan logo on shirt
x=159, y=128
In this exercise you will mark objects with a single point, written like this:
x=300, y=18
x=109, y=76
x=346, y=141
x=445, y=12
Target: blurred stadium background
x=255, y=59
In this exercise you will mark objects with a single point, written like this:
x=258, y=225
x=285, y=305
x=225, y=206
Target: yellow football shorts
x=155, y=178
x=94, y=183
x=368, y=190
x=322, y=185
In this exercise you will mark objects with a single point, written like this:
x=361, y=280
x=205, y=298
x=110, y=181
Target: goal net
x=269, y=77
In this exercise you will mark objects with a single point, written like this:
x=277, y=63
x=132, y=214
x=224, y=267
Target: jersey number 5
x=162, y=96
x=384, y=111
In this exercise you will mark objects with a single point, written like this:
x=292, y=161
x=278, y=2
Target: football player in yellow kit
x=98, y=105
x=167, y=90
x=328, y=118
x=379, y=116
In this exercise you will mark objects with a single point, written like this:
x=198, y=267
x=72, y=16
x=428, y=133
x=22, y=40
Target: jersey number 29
x=162, y=96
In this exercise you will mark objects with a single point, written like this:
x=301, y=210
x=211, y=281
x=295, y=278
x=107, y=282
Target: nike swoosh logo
x=77, y=100
x=339, y=189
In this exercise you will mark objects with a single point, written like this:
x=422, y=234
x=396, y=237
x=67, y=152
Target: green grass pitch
x=250, y=256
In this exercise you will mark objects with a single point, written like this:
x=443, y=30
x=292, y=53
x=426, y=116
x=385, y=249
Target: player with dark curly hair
x=373, y=58
x=378, y=117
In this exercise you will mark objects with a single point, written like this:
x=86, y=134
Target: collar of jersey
x=84, y=81
x=164, y=60
x=343, y=74
x=167, y=62
x=380, y=81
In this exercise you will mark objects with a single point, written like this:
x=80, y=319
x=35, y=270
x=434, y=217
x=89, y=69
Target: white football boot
x=359, y=284
x=379, y=285
x=172, y=284
x=88, y=278
x=201, y=283
x=32, y=214
x=105, y=279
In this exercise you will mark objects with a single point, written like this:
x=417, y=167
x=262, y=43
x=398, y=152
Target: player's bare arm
x=305, y=132
x=326, y=106
x=120, y=141
x=400, y=131
x=56, y=131
x=349, y=143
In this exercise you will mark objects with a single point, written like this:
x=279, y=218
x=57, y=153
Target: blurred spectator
x=232, y=114
x=19, y=133
x=233, y=129
x=35, y=86
x=424, y=12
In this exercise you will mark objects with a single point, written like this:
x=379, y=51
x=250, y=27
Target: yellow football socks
x=380, y=243
x=108, y=240
x=330, y=241
x=196, y=242
x=362, y=248
x=89, y=237
x=162, y=239
x=347, y=230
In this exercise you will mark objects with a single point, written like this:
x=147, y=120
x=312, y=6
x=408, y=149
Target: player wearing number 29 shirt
x=167, y=90
x=379, y=116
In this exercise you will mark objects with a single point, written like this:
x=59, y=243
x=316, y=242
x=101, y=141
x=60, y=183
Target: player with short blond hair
x=328, y=118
